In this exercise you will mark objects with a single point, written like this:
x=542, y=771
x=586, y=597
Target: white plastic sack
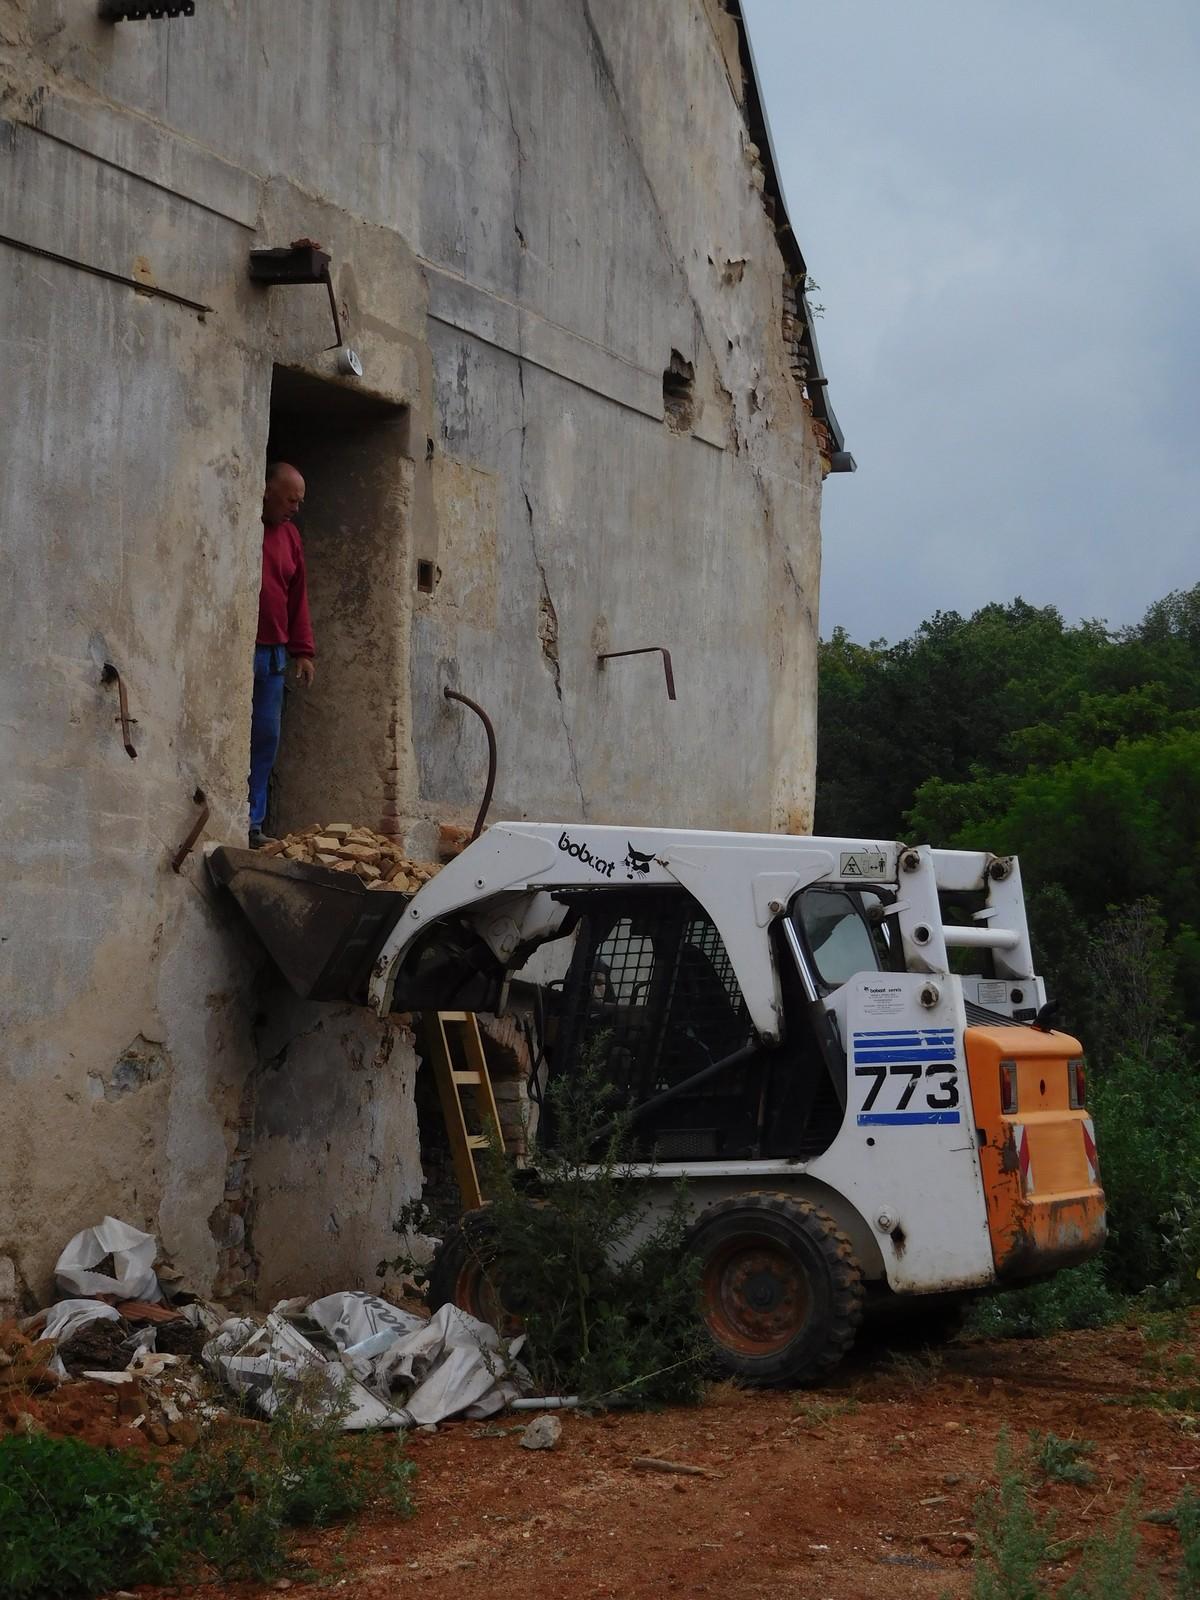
x=68, y=1316
x=133, y=1254
x=272, y=1361
x=452, y=1364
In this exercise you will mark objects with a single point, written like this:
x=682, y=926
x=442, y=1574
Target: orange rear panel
x=1044, y=1202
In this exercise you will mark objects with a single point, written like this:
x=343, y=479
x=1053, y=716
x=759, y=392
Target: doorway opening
x=339, y=756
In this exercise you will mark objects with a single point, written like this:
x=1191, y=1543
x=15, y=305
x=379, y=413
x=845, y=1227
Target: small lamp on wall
x=303, y=261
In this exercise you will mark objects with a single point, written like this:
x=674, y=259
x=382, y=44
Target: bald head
x=284, y=493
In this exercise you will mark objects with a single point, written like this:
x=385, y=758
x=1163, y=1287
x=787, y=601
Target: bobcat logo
x=635, y=861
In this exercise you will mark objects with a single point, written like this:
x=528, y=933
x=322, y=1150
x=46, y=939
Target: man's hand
x=306, y=671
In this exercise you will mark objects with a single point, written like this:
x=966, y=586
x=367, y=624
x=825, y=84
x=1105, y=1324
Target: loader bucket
x=321, y=928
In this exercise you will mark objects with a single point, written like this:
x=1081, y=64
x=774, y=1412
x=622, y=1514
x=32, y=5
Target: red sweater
x=283, y=601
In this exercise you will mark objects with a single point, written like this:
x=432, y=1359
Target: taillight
x=1076, y=1084
x=1008, y=1088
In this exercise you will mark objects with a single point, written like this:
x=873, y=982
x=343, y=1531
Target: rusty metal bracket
x=646, y=650
x=128, y=723
x=181, y=855
x=303, y=261
x=453, y=694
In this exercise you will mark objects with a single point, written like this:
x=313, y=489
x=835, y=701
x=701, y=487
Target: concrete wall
x=531, y=205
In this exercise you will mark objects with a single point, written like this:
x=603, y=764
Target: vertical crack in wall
x=547, y=624
x=518, y=170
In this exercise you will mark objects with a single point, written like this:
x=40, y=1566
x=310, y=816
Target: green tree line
x=1077, y=748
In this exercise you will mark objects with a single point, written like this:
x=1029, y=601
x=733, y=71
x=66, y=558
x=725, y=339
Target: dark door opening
x=340, y=757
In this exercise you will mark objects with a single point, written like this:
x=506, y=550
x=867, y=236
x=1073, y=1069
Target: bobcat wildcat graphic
x=635, y=861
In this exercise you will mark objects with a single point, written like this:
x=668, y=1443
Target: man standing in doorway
x=284, y=630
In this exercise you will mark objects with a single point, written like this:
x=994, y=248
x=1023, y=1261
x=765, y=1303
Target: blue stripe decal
x=897, y=1034
x=895, y=1119
x=928, y=1053
x=884, y=1041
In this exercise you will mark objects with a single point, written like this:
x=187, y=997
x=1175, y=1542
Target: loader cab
x=651, y=1006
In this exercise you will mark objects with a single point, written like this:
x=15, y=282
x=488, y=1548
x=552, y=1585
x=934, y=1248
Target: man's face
x=284, y=495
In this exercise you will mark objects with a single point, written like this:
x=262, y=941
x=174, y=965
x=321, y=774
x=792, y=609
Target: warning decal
x=863, y=864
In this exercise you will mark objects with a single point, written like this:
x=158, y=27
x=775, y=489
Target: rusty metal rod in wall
x=181, y=855
x=453, y=694
x=150, y=289
x=111, y=675
x=645, y=650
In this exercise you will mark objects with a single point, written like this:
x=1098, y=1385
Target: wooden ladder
x=453, y=1037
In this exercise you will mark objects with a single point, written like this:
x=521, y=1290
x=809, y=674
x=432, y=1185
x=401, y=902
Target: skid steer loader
x=783, y=1022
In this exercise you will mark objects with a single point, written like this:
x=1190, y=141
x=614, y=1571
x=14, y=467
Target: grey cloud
x=1000, y=204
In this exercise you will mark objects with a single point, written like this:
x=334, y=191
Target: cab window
x=838, y=935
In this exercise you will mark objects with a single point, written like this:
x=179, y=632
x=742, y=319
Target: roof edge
x=815, y=381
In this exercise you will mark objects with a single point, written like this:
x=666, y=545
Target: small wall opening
x=338, y=758
x=679, y=394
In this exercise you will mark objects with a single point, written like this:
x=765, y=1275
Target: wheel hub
x=755, y=1295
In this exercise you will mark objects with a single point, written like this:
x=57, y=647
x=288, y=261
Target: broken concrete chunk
x=359, y=852
x=543, y=1433
x=325, y=841
x=326, y=859
x=338, y=830
x=452, y=840
x=295, y=852
x=365, y=870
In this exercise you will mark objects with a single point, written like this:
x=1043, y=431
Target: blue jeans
x=270, y=664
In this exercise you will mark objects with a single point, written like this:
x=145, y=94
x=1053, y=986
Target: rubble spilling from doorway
x=373, y=857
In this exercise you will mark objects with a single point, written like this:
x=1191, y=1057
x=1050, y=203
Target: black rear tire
x=468, y=1272
x=781, y=1291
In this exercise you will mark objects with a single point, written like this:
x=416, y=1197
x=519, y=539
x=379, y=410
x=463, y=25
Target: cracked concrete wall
x=335, y=1146
x=531, y=204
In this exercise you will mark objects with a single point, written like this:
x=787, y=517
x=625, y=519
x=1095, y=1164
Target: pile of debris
x=114, y=1364
x=376, y=859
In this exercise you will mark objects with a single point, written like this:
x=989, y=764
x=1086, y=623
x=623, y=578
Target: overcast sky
x=1000, y=201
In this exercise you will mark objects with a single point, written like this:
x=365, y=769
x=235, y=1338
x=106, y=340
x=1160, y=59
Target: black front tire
x=781, y=1290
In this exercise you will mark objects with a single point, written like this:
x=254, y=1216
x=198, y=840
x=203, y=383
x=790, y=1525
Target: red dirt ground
x=863, y=1488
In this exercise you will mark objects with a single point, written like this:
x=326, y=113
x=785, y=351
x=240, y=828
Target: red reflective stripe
x=1023, y=1156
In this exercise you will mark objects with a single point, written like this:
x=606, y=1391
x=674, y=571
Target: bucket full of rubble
x=322, y=901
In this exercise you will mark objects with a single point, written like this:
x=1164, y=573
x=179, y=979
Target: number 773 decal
x=908, y=1077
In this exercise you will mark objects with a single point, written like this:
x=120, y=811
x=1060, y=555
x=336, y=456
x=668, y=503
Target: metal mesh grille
x=651, y=998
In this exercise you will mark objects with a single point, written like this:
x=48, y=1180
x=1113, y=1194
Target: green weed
x=75, y=1520
x=1013, y=1541
x=1061, y=1460
x=915, y=1369
x=1108, y=1564
x=608, y=1292
x=1080, y=1297
x=246, y=1482
x=817, y=1412
x=1187, y=1521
